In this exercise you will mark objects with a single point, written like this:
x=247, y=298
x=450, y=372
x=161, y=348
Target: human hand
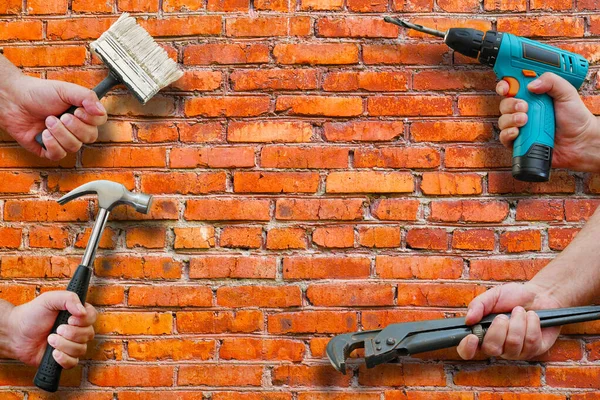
x=29, y=325
x=577, y=136
x=30, y=105
x=517, y=338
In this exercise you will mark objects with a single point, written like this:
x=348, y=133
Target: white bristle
x=125, y=42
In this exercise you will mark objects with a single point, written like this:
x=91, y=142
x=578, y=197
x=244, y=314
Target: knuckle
x=491, y=349
x=513, y=341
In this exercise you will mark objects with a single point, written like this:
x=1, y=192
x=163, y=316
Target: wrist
x=589, y=148
x=7, y=345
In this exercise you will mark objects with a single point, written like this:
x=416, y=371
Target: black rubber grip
x=47, y=376
x=103, y=87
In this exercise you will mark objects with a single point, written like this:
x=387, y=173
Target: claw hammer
x=110, y=194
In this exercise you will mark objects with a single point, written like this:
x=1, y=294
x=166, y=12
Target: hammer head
x=110, y=194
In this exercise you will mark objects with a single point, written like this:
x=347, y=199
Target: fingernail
x=51, y=122
x=72, y=320
x=79, y=113
x=56, y=354
x=66, y=118
x=520, y=106
x=503, y=316
x=100, y=107
x=53, y=340
x=469, y=313
x=473, y=340
x=61, y=330
x=535, y=83
x=82, y=309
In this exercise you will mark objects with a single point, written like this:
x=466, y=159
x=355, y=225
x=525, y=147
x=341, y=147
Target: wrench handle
x=48, y=374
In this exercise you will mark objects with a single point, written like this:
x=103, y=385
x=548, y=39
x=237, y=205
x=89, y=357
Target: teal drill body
x=519, y=61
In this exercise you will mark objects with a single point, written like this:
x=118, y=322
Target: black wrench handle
x=48, y=374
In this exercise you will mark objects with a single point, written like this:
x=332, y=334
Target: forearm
x=573, y=277
x=6, y=343
x=7, y=72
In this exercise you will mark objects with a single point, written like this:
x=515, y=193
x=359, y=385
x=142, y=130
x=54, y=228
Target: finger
x=77, y=334
x=53, y=151
x=71, y=93
x=512, y=120
x=62, y=300
x=65, y=361
x=66, y=346
x=493, y=341
x=65, y=138
x=512, y=105
x=84, y=132
x=94, y=107
x=516, y=334
x=87, y=320
x=532, y=345
x=90, y=119
x=508, y=136
x=482, y=305
x=557, y=87
x=467, y=348
x=502, y=88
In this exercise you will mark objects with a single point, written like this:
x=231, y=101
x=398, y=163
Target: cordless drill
x=519, y=61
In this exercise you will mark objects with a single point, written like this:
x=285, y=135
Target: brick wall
x=312, y=176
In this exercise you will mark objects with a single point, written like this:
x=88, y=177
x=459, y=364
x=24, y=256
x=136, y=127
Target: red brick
x=363, y=131
x=372, y=81
x=574, y=377
x=506, y=269
x=11, y=7
x=379, y=236
x=45, y=211
x=251, y=395
x=397, y=157
x=471, y=6
x=35, y=267
x=275, y=182
x=230, y=106
x=115, y=132
x=286, y=238
x=266, y=26
x=118, y=157
x=87, y=78
x=408, y=374
x=211, y=157
x=202, y=237
x=303, y=157
x=425, y=238
x=503, y=183
x=10, y=237
x=479, y=106
x=49, y=237
x=171, y=349
x=17, y=294
x=261, y=349
x=543, y=26
x=505, y=5
x=201, y=132
x=123, y=266
x=241, y=237
x=157, y=132
x=18, y=182
x=320, y=105
x=162, y=209
x=259, y=296
x=333, y=295
x=473, y=239
x=196, y=25
x=107, y=241
x=315, y=5
x=478, y=157
x=148, y=237
x=454, y=80
x=182, y=5
x=409, y=106
x=429, y=395
x=325, y=267
x=172, y=296
x=520, y=241
x=396, y=209
x=204, y=81
x=312, y=322
x=274, y=79
x=337, y=396
x=334, y=236
x=235, y=267
x=451, y=131
x=243, y=321
x=183, y=182
x=20, y=30
x=269, y=131
x=22, y=375
x=355, y=27
x=21, y=158
x=138, y=5
x=379, y=319
x=220, y=375
x=41, y=7
x=367, y=5
x=414, y=267
x=405, y=54
x=580, y=210
x=304, y=375
x=443, y=24
x=133, y=323
x=319, y=209
x=559, y=238
x=520, y=396
x=67, y=181
x=106, y=295
x=437, y=294
x=227, y=209
x=560, y=5
x=588, y=5
x=370, y=182
x=540, y=210
x=46, y=56
x=316, y=54
x=159, y=106
x=77, y=28
x=500, y=376
x=442, y=183
x=271, y=5
x=227, y=5
x=230, y=53
x=468, y=211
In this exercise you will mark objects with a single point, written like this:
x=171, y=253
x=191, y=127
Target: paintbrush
x=133, y=59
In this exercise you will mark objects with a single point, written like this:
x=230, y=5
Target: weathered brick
x=235, y=267
x=325, y=267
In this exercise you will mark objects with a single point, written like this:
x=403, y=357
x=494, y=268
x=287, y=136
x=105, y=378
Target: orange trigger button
x=513, y=86
x=529, y=73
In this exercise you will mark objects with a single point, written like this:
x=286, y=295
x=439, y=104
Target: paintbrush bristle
x=135, y=58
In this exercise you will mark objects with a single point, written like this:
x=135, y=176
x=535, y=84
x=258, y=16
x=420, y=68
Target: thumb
x=73, y=94
x=555, y=86
x=482, y=305
x=63, y=300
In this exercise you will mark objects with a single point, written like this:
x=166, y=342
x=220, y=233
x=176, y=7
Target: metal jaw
x=383, y=345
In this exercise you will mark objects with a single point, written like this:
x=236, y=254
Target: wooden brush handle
x=103, y=87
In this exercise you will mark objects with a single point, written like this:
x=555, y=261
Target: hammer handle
x=103, y=87
x=48, y=373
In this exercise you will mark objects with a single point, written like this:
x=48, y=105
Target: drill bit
x=416, y=27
